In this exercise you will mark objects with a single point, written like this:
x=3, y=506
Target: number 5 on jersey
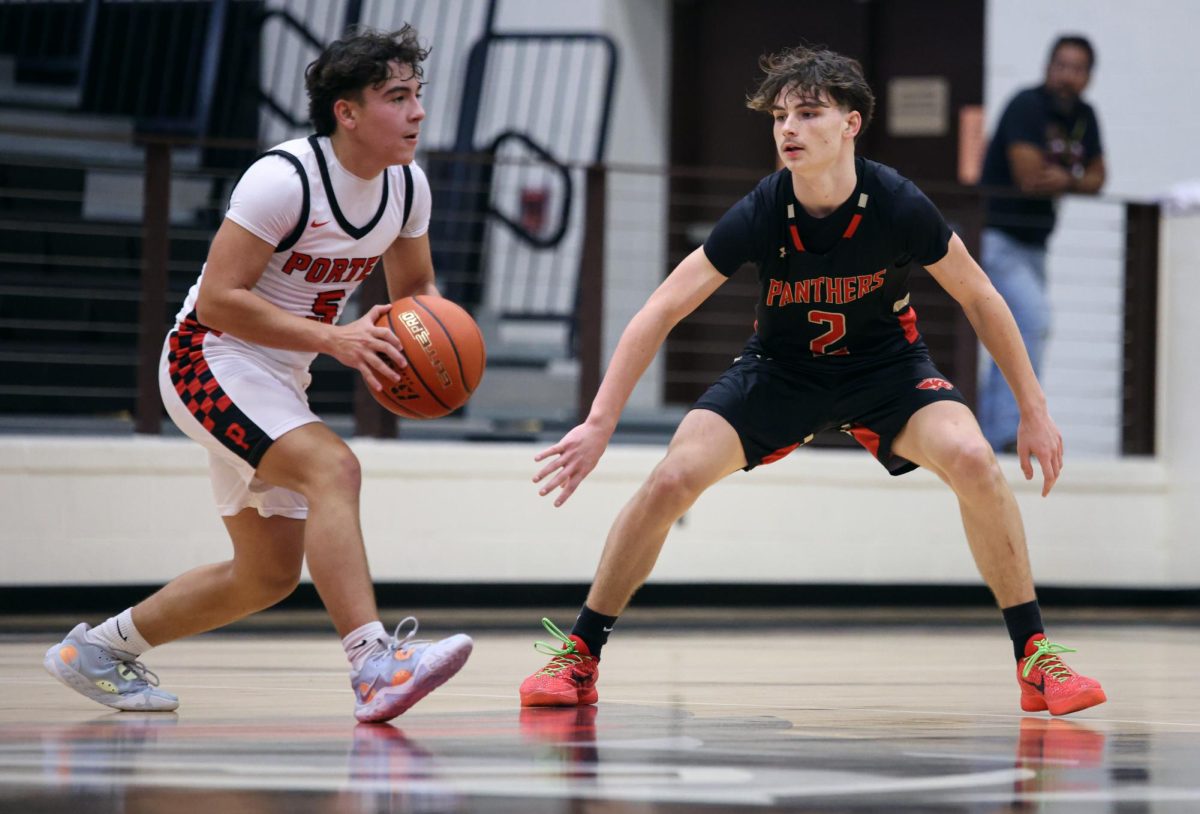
x=325, y=306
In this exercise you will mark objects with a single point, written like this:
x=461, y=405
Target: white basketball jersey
x=330, y=230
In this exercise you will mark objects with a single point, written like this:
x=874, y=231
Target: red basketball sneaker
x=570, y=677
x=1048, y=683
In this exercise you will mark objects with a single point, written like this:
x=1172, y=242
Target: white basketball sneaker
x=404, y=672
x=111, y=677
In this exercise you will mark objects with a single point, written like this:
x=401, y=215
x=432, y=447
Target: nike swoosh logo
x=360, y=644
x=607, y=630
x=1040, y=686
x=119, y=633
x=317, y=224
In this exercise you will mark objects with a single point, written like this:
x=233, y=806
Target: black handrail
x=517, y=229
x=206, y=88
x=87, y=41
x=468, y=112
x=472, y=99
x=351, y=18
x=289, y=21
x=462, y=181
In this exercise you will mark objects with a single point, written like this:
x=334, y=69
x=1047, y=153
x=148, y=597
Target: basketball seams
x=399, y=409
x=413, y=369
x=406, y=411
x=394, y=406
x=462, y=373
x=422, y=320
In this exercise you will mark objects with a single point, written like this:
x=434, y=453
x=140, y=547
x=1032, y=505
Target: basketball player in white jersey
x=306, y=224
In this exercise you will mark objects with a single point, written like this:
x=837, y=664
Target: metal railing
x=150, y=265
x=524, y=222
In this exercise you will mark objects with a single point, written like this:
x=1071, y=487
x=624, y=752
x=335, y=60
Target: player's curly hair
x=809, y=71
x=359, y=59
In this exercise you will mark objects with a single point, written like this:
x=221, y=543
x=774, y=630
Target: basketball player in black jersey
x=836, y=345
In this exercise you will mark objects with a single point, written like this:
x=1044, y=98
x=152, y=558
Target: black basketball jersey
x=834, y=289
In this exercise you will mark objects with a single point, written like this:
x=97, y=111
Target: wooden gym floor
x=736, y=717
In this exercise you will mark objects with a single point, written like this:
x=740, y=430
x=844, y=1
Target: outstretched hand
x=368, y=348
x=1038, y=436
x=574, y=457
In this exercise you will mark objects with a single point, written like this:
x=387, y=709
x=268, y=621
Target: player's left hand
x=573, y=458
x=1038, y=436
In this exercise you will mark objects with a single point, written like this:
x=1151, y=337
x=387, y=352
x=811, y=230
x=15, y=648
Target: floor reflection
x=1065, y=756
x=388, y=771
x=616, y=757
x=563, y=735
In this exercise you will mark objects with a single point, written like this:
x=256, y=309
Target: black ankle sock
x=593, y=628
x=1023, y=621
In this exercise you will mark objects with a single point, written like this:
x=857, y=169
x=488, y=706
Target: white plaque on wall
x=918, y=106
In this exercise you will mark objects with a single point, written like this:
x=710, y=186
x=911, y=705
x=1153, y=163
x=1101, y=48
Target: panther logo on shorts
x=934, y=384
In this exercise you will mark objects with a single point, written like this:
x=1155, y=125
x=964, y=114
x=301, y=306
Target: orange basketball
x=446, y=357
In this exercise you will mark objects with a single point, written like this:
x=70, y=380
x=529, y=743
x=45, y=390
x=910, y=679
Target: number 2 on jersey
x=325, y=306
x=837, y=330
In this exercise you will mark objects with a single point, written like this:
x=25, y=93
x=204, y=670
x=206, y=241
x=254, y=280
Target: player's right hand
x=364, y=346
x=575, y=456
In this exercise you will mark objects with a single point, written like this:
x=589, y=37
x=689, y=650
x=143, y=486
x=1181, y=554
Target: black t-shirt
x=832, y=289
x=1071, y=140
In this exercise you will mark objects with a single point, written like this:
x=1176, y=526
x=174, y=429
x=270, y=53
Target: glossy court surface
x=835, y=718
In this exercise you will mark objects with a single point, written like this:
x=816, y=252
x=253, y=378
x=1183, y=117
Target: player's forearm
x=636, y=349
x=996, y=328
x=252, y=319
x=399, y=287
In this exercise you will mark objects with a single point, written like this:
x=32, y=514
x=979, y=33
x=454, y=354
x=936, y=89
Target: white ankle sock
x=119, y=633
x=364, y=641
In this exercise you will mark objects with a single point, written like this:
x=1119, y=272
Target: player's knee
x=672, y=485
x=336, y=472
x=275, y=585
x=971, y=464
x=347, y=470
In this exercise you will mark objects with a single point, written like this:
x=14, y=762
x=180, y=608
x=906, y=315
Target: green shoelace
x=1047, y=657
x=565, y=653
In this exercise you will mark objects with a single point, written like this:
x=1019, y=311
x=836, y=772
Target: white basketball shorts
x=235, y=405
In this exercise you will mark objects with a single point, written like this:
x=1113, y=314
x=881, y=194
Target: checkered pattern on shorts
x=203, y=397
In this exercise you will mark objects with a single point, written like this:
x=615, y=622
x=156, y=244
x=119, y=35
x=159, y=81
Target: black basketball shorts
x=777, y=407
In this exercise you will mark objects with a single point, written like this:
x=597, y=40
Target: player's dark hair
x=359, y=59
x=1079, y=41
x=809, y=72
